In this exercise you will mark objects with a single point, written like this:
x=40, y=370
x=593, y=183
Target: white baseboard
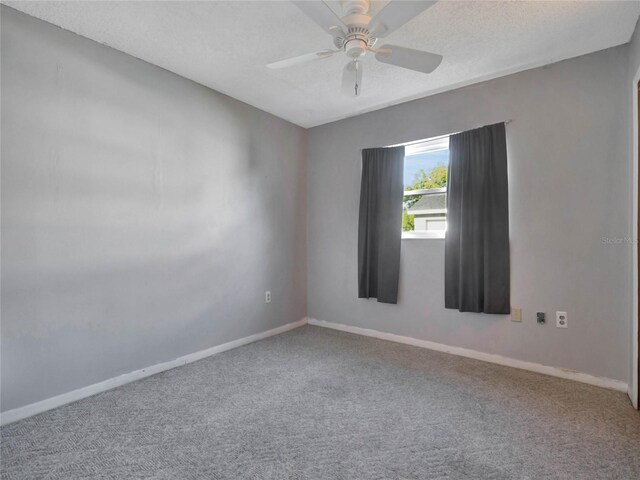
x=50, y=403
x=32, y=409
x=485, y=357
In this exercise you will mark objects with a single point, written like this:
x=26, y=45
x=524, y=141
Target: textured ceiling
x=226, y=45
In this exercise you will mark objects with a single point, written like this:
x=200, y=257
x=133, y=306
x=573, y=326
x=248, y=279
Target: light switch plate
x=516, y=314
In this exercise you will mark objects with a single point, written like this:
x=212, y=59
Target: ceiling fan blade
x=396, y=14
x=418, y=60
x=352, y=79
x=319, y=12
x=309, y=57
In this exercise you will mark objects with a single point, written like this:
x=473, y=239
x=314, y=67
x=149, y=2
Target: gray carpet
x=321, y=404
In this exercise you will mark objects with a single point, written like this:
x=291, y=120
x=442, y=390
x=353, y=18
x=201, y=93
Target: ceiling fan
x=356, y=33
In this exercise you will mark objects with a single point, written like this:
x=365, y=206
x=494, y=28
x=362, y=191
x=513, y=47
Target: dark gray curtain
x=477, y=277
x=380, y=225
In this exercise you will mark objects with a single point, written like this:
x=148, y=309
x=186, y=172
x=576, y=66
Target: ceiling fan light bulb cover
x=355, y=48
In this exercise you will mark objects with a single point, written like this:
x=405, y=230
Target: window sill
x=422, y=235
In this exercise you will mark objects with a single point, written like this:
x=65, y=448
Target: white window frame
x=414, y=148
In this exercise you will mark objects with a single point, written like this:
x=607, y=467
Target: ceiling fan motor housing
x=356, y=42
x=357, y=39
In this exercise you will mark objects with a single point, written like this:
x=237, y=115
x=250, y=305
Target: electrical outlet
x=540, y=317
x=267, y=297
x=561, y=320
x=516, y=314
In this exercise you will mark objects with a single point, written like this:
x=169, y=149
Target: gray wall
x=569, y=187
x=143, y=215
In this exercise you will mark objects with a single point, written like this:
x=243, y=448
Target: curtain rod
x=413, y=142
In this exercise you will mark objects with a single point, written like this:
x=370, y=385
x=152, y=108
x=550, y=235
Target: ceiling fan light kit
x=356, y=33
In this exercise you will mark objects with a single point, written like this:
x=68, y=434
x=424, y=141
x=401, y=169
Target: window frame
x=415, y=148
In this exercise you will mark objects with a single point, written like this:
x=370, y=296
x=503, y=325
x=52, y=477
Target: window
x=425, y=188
